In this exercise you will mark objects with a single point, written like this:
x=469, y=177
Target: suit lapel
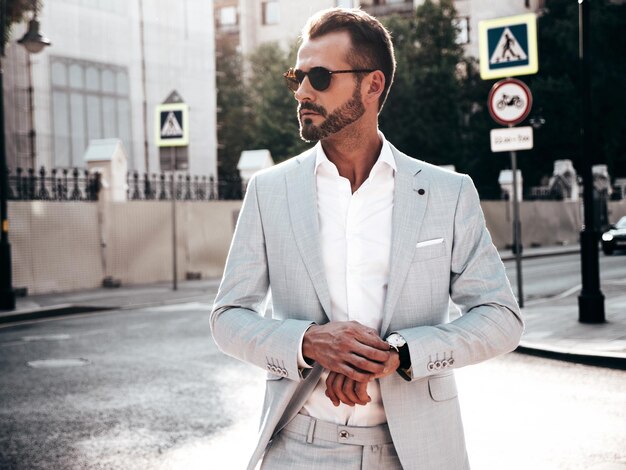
x=409, y=206
x=302, y=200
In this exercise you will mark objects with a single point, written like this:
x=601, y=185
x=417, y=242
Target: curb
x=511, y=257
x=591, y=358
x=52, y=311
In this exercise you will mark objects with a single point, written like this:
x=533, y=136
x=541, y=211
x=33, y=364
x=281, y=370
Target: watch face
x=396, y=340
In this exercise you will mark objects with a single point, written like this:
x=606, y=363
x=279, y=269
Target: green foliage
x=16, y=12
x=432, y=112
x=556, y=88
x=437, y=110
x=273, y=107
x=234, y=122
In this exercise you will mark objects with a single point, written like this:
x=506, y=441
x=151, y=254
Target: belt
x=311, y=429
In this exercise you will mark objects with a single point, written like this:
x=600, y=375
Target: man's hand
x=340, y=388
x=348, y=348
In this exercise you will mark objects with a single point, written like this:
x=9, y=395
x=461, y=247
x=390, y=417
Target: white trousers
x=307, y=444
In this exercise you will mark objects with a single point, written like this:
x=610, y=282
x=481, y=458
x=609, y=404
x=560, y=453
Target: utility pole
x=7, y=294
x=591, y=299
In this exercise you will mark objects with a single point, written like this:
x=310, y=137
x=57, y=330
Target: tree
x=423, y=112
x=15, y=13
x=436, y=110
x=556, y=88
x=272, y=105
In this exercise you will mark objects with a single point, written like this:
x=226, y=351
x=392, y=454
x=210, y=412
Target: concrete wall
x=60, y=247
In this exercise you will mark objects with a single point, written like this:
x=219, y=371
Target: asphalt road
x=147, y=389
x=551, y=276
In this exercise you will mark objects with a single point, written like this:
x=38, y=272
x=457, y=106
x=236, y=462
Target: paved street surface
x=147, y=389
x=550, y=276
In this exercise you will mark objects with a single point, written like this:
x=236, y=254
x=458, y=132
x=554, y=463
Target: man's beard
x=341, y=117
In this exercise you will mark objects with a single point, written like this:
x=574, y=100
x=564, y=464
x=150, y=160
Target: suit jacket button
x=430, y=366
x=451, y=361
x=444, y=363
x=437, y=365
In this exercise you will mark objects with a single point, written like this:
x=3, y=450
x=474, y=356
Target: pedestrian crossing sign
x=508, y=46
x=172, y=129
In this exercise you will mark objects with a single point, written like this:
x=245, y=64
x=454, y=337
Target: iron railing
x=159, y=187
x=74, y=184
x=58, y=185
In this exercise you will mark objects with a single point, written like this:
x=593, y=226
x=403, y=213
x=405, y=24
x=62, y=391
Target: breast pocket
x=429, y=249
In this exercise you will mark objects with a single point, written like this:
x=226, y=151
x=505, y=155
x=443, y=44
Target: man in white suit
x=363, y=249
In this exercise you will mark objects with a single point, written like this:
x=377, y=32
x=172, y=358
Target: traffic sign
x=172, y=128
x=509, y=101
x=507, y=139
x=508, y=46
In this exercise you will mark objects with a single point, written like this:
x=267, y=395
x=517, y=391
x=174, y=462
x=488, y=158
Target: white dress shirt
x=355, y=237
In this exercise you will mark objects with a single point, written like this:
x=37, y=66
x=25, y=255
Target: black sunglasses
x=319, y=77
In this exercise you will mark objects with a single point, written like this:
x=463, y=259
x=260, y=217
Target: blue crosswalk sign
x=508, y=46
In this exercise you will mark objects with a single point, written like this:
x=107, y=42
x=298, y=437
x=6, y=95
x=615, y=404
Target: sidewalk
x=552, y=327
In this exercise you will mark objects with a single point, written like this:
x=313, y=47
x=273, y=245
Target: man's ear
x=374, y=86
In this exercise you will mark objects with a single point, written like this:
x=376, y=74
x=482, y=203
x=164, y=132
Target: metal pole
x=7, y=294
x=174, y=253
x=144, y=110
x=517, y=232
x=31, y=111
x=591, y=299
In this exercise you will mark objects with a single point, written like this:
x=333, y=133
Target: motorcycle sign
x=509, y=101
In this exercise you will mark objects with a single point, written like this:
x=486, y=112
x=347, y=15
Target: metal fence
x=58, y=185
x=74, y=184
x=160, y=187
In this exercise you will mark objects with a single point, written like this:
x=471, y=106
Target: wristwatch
x=397, y=342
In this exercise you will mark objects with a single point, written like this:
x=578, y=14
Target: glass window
x=94, y=117
x=77, y=128
x=227, y=16
x=344, y=3
x=122, y=83
x=76, y=76
x=462, y=24
x=97, y=106
x=93, y=78
x=61, y=129
x=108, y=81
x=59, y=74
x=109, y=119
x=271, y=12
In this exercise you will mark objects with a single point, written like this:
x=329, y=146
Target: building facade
x=110, y=64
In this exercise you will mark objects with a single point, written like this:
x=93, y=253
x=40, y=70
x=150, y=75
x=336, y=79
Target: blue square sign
x=508, y=46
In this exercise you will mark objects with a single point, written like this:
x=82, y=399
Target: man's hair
x=371, y=42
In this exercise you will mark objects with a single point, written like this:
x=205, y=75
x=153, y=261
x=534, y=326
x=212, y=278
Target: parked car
x=615, y=237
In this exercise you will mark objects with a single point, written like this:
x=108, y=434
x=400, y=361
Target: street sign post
x=509, y=139
x=509, y=103
x=508, y=46
x=172, y=128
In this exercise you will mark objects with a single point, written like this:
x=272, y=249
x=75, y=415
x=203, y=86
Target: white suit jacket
x=440, y=250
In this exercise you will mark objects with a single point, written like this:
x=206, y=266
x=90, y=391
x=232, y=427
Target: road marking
x=55, y=363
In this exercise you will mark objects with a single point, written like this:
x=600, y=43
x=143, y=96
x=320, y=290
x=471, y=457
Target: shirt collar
x=386, y=156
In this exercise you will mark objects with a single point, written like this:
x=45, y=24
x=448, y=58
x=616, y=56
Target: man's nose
x=305, y=91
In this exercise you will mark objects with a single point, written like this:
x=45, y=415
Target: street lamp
x=591, y=298
x=34, y=41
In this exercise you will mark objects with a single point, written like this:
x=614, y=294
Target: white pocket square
x=434, y=241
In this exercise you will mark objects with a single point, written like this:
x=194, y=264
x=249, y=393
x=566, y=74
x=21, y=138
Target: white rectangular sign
x=511, y=138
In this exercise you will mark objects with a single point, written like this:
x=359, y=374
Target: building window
x=271, y=12
x=89, y=101
x=227, y=16
x=344, y=3
x=462, y=23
